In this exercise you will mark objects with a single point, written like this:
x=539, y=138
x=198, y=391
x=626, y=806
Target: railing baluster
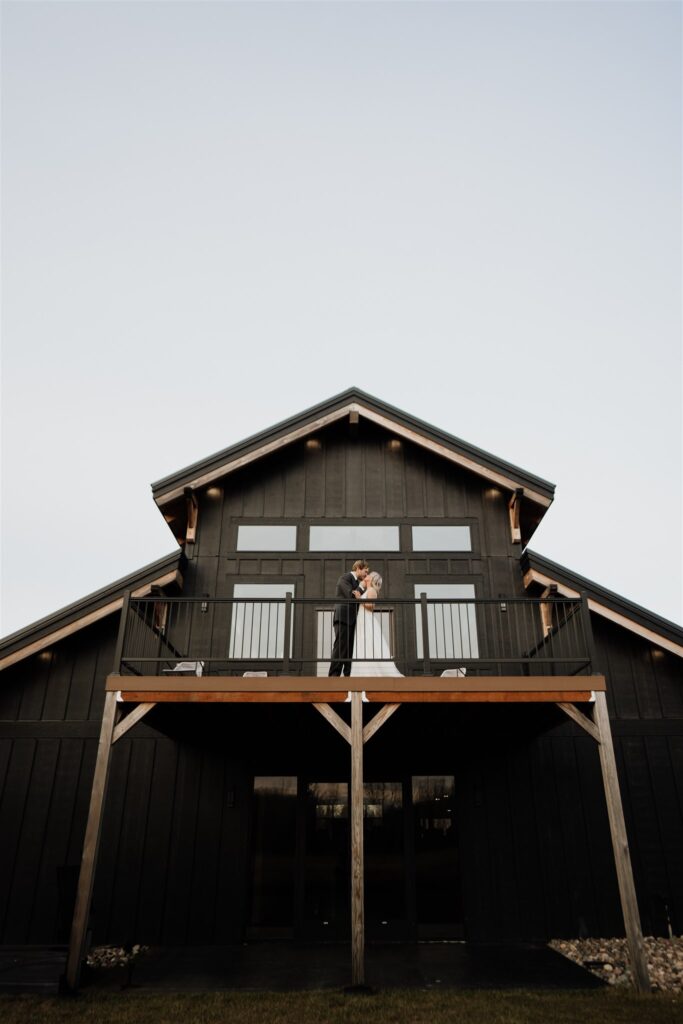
x=425, y=636
x=288, y=627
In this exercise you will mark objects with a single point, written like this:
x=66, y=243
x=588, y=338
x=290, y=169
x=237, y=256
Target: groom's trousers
x=342, y=650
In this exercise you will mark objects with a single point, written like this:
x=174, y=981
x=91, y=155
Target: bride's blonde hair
x=376, y=580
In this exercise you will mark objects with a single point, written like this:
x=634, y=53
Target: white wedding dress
x=370, y=642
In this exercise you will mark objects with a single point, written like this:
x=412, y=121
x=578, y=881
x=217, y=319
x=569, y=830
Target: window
x=441, y=538
x=452, y=628
x=354, y=539
x=266, y=538
x=257, y=629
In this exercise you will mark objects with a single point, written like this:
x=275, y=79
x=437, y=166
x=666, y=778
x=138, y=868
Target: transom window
x=354, y=538
x=442, y=538
x=266, y=538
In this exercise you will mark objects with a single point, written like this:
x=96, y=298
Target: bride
x=370, y=641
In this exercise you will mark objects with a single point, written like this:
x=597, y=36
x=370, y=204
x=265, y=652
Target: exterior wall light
x=213, y=492
x=313, y=443
x=394, y=444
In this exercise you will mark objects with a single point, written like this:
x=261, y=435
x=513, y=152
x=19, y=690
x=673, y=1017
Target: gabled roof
x=357, y=402
x=89, y=609
x=601, y=601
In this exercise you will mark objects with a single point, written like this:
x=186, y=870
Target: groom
x=344, y=619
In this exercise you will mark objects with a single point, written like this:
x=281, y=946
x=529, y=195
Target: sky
x=215, y=215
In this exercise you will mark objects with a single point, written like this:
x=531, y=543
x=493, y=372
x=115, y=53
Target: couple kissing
x=358, y=634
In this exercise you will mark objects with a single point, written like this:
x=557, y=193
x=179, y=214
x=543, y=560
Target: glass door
x=274, y=856
x=327, y=865
x=437, y=862
x=385, y=867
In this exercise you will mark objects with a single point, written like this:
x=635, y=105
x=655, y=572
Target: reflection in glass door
x=327, y=860
x=437, y=866
x=274, y=849
x=385, y=878
x=301, y=859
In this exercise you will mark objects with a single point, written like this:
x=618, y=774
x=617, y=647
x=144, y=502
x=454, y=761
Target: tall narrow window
x=451, y=627
x=258, y=625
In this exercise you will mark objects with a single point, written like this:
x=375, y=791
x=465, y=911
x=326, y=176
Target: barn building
x=177, y=767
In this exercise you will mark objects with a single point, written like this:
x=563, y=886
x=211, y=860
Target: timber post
x=622, y=856
x=91, y=845
x=357, y=873
x=93, y=829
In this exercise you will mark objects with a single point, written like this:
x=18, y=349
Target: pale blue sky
x=471, y=210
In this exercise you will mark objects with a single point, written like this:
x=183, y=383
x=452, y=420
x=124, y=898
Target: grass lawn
x=608, y=1006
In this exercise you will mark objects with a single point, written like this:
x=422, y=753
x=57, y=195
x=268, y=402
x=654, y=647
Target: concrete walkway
x=286, y=967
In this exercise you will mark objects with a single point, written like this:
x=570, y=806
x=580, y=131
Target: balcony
x=518, y=644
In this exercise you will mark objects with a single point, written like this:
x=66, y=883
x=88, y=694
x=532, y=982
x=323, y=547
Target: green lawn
x=609, y=1006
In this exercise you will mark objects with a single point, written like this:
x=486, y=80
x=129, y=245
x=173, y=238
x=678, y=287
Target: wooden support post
x=357, y=879
x=547, y=609
x=129, y=721
x=580, y=719
x=514, y=507
x=91, y=845
x=192, y=506
x=335, y=720
x=376, y=723
x=622, y=857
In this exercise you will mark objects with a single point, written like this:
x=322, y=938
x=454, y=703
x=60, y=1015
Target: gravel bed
x=608, y=959
x=114, y=956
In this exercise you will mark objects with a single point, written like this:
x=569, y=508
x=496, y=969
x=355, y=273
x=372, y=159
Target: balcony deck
x=278, y=650
x=377, y=689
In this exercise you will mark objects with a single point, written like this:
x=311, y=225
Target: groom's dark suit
x=344, y=621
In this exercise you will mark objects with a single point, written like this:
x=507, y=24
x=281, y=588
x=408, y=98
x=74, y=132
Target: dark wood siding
x=533, y=836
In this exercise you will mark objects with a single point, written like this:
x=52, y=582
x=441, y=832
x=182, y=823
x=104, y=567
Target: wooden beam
x=357, y=865
x=484, y=697
x=547, y=609
x=91, y=845
x=376, y=723
x=622, y=856
x=374, y=697
x=514, y=508
x=192, y=515
x=370, y=684
x=580, y=719
x=129, y=721
x=534, y=576
x=354, y=417
x=86, y=620
x=335, y=720
x=393, y=426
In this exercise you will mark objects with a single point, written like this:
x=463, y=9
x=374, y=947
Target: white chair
x=454, y=672
x=186, y=668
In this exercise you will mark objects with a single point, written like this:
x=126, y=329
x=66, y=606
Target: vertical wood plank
x=91, y=844
x=622, y=857
x=357, y=881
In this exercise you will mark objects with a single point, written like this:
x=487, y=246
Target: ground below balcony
x=284, y=967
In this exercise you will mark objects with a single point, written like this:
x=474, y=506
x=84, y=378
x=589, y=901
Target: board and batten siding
x=534, y=842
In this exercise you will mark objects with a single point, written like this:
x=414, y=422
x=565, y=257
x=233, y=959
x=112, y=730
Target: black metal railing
x=296, y=636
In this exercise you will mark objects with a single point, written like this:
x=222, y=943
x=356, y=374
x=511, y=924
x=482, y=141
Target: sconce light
x=394, y=444
x=213, y=492
x=204, y=607
x=313, y=443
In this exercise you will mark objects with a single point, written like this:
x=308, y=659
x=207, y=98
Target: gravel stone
x=608, y=959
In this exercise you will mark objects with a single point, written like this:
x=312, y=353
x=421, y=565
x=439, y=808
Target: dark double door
x=301, y=859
